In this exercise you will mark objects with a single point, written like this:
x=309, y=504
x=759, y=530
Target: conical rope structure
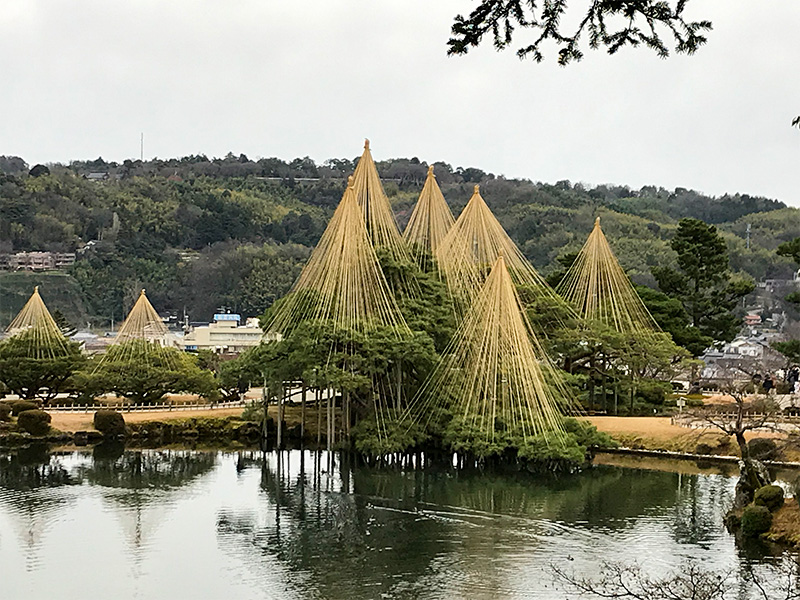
x=342, y=281
x=474, y=244
x=373, y=202
x=429, y=223
x=598, y=288
x=143, y=336
x=495, y=371
x=36, y=325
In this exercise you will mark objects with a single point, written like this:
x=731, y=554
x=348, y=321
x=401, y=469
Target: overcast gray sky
x=82, y=78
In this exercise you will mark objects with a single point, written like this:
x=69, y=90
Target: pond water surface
x=171, y=524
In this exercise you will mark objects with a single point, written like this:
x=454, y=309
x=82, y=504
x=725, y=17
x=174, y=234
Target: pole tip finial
x=366, y=143
x=477, y=188
x=350, y=181
x=430, y=169
x=597, y=222
x=36, y=289
x=142, y=292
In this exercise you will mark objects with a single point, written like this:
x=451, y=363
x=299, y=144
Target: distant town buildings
x=741, y=359
x=36, y=261
x=224, y=335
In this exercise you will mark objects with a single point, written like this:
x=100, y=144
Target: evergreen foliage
x=43, y=376
x=35, y=422
x=142, y=373
x=702, y=281
x=109, y=422
x=612, y=25
x=770, y=496
x=755, y=520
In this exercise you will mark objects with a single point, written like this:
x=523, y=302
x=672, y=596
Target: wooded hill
x=201, y=233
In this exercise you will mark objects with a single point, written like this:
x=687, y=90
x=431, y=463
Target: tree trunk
x=328, y=436
x=281, y=400
x=319, y=417
x=265, y=403
x=303, y=414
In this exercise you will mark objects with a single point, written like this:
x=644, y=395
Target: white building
x=224, y=335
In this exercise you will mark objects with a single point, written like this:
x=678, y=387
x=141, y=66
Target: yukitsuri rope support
x=495, y=369
x=598, y=288
x=375, y=207
x=42, y=334
x=142, y=337
x=429, y=223
x=473, y=245
x=343, y=284
x=342, y=281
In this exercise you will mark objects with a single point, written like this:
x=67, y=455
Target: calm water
x=182, y=524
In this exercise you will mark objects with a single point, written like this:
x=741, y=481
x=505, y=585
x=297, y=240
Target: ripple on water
x=207, y=526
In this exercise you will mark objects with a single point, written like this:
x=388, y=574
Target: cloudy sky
x=82, y=78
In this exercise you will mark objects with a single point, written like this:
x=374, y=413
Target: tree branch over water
x=688, y=582
x=612, y=24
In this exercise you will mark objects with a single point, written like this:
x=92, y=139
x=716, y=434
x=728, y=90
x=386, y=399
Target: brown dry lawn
x=658, y=433
x=71, y=422
x=657, y=428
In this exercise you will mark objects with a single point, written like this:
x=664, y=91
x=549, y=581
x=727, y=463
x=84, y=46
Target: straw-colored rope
x=429, y=223
x=378, y=216
x=495, y=369
x=598, y=288
x=342, y=281
x=473, y=245
x=34, y=321
x=142, y=336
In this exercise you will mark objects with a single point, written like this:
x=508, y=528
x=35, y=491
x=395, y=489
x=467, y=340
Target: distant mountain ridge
x=201, y=233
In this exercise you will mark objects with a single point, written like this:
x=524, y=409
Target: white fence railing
x=159, y=407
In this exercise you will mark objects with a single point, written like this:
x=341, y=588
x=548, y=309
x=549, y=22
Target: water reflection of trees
x=358, y=531
x=29, y=482
x=136, y=486
x=335, y=543
x=112, y=467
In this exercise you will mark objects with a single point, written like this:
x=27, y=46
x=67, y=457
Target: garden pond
x=153, y=524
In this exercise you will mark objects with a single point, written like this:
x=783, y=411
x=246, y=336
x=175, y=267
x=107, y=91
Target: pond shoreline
x=714, y=458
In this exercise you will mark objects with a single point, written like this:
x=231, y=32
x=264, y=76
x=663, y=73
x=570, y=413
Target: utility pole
x=141, y=149
x=747, y=238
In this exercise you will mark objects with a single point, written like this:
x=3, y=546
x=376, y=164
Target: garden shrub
x=35, y=422
x=703, y=448
x=755, y=520
x=770, y=496
x=109, y=422
x=5, y=411
x=20, y=406
x=653, y=392
x=587, y=434
x=763, y=449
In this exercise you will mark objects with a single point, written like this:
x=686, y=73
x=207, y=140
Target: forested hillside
x=200, y=233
